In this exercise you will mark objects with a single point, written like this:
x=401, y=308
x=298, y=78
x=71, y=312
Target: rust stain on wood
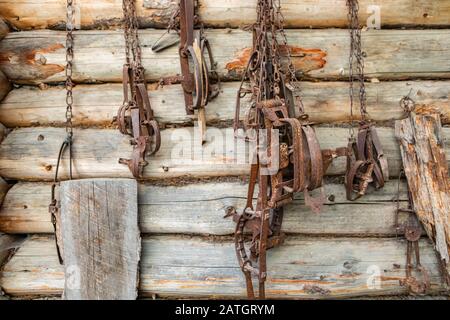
x=32, y=62
x=304, y=60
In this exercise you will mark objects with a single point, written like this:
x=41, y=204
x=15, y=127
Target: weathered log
x=31, y=153
x=39, y=56
x=5, y=85
x=199, y=209
x=4, y=29
x=27, y=14
x=426, y=169
x=192, y=267
x=95, y=105
x=100, y=239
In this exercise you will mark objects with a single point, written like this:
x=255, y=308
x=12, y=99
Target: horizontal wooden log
x=192, y=267
x=5, y=85
x=96, y=105
x=27, y=14
x=199, y=209
x=39, y=56
x=31, y=153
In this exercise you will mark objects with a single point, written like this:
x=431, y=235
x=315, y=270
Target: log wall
x=349, y=250
x=25, y=14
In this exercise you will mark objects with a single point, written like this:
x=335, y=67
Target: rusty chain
x=356, y=59
x=366, y=163
x=275, y=106
x=68, y=141
x=135, y=116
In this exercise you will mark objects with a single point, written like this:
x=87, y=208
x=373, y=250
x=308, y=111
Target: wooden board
x=195, y=267
x=31, y=153
x=96, y=105
x=39, y=56
x=199, y=209
x=5, y=86
x=100, y=238
x=26, y=14
x=426, y=168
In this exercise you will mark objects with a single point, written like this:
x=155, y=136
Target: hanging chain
x=174, y=21
x=69, y=65
x=54, y=206
x=300, y=165
x=133, y=49
x=356, y=63
x=70, y=25
x=281, y=19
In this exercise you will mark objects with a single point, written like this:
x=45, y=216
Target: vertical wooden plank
x=101, y=239
x=423, y=155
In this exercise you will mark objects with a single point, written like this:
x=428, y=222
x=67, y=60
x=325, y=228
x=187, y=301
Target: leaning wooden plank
x=5, y=85
x=96, y=105
x=199, y=209
x=194, y=267
x=31, y=153
x=27, y=14
x=426, y=168
x=39, y=56
x=100, y=239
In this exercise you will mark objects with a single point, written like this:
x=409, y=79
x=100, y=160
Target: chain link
x=133, y=49
x=70, y=24
x=356, y=63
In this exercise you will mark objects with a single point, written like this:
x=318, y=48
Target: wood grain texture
x=5, y=86
x=39, y=56
x=199, y=209
x=426, y=169
x=26, y=153
x=325, y=102
x=26, y=14
x=194, y=267
x=100, y=239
